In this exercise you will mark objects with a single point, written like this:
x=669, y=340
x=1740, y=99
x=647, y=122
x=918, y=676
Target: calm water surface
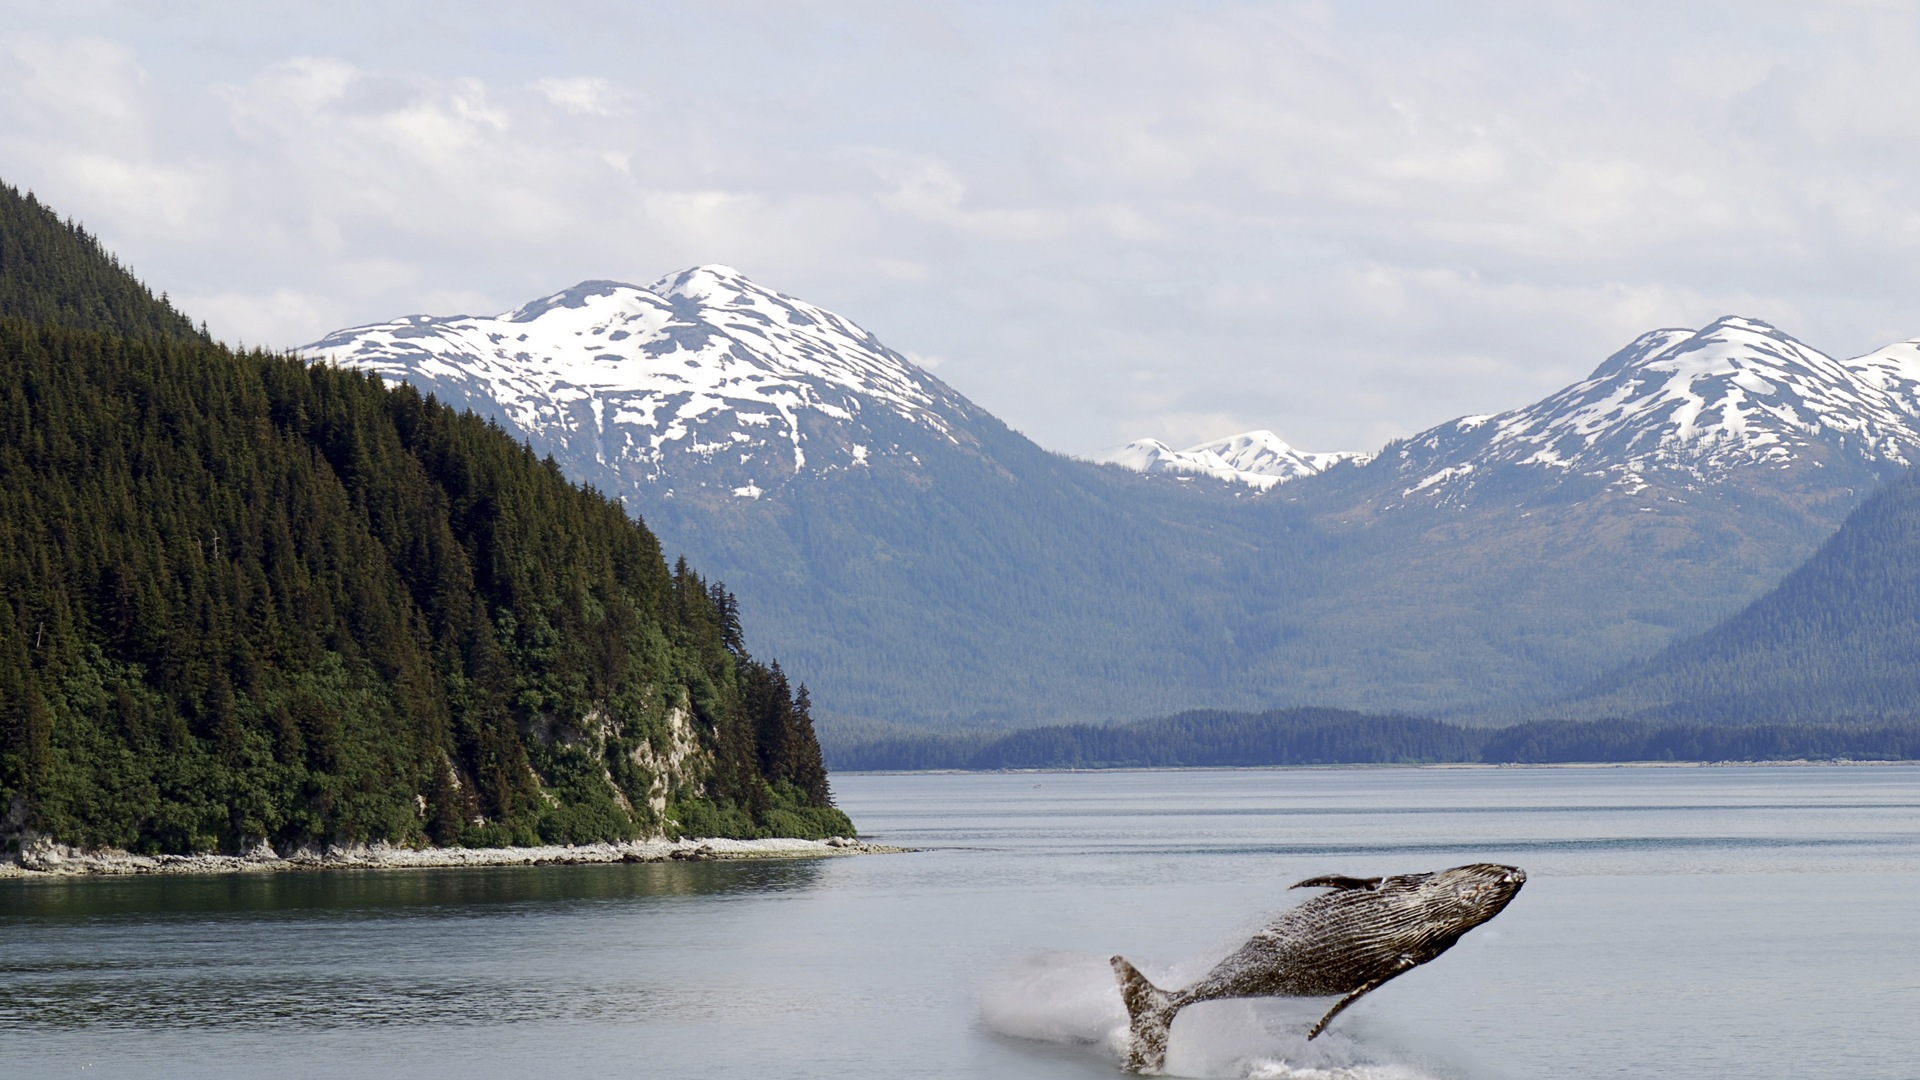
x=1713, y=922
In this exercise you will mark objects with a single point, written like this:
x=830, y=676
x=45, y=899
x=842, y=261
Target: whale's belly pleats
x=1322, y=949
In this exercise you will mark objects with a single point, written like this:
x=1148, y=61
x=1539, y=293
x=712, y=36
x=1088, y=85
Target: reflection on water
x=387, y=893
x=341, y=949
x=1710, y=923
x=75, y=1000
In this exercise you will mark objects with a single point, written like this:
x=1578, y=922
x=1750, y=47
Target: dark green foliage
x=249, y=599
x=54, y=272
x=788, y=812
x=1838, y=638
x=1338, y=737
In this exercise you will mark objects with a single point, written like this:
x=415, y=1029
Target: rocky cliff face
x=678, y=764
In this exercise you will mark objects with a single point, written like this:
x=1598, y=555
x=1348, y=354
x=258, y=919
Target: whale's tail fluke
x=1150, y=1013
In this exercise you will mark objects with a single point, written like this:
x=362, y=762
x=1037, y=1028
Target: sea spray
x=1072, y=999
x=1057, y=997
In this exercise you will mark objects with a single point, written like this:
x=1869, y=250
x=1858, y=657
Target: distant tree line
x=1314, y=736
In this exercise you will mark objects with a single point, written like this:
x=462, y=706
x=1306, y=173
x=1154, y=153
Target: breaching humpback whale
x=1348, y=941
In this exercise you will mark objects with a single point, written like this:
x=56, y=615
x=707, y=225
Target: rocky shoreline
x=41, y=858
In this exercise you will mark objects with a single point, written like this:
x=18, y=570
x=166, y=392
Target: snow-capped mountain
x=1259, y=459
x=918, y=560
x=701, y=374
x=1693, y=406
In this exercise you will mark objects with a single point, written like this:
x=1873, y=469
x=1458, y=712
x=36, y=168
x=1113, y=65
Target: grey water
x=1677, y=922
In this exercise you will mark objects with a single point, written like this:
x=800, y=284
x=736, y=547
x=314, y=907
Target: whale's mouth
x=1510, y=882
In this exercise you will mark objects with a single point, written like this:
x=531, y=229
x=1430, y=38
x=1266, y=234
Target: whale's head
x=1440, y=907
x=1416, y=917
x=1467, y=896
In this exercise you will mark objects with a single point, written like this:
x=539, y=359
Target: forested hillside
x=1839, y=637
x=245, y=599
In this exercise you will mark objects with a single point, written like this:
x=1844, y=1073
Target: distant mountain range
x=1703, y=403
x=919, y=562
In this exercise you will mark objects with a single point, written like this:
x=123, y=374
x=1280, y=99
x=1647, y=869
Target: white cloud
x=929, y=190
x=88, y=85
x=1106, y=222
x=585, y=95
x=261, y=318
x=171, y=200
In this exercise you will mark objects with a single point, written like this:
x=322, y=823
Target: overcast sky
x=1344, y=222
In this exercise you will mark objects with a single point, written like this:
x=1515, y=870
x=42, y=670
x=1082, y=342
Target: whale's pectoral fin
x=1339, y=1005
x=1359, y=992
x=1336, y=881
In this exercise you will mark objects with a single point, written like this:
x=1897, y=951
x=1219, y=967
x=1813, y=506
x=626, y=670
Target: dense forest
x=246, y=599
x=1337, y=737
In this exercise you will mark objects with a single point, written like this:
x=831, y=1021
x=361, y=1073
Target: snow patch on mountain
x=702, y=366
x=1259, y=459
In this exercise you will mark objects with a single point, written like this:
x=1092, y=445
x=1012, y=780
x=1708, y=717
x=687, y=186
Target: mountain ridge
x=1736, y=392
x=54, y=271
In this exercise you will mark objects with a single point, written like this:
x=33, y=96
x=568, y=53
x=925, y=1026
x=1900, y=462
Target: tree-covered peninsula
x=244, y=599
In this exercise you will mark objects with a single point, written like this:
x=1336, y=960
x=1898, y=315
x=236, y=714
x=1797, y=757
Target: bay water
x=1738, y=922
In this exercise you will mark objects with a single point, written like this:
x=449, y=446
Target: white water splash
x=1072, y=999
